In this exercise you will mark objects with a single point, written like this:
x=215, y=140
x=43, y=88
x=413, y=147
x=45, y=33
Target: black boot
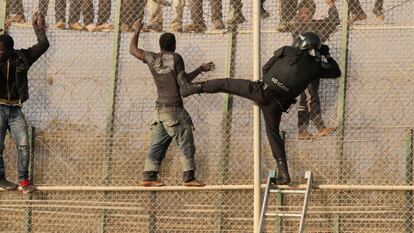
x=283, y=176
x=188, y=88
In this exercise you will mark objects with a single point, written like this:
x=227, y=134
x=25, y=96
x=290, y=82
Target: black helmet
x=308, y=40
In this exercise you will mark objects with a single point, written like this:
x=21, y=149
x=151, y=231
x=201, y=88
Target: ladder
x=269, y=190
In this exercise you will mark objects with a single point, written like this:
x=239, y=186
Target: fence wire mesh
x=92, y=103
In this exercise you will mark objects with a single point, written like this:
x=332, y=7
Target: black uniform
x=286, y=75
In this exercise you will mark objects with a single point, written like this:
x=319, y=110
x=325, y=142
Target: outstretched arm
x=133, y=46
x=39, y=26
x=205, y=67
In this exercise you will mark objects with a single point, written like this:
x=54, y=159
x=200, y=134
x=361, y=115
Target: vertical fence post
x=226, y=122
x=111, y=108
x=152, y=213
x=3, y=5
x=279, y=196
x=28, y=210
x=256, y=117
x=409, y=181
x=341, y=102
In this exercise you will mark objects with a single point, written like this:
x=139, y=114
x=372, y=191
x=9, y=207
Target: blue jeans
x=171, y=123
x=12, y=118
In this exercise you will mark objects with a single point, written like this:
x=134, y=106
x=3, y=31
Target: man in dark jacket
x=309, y=104
x=171, y=119
x=285, y=76
x=14, y=91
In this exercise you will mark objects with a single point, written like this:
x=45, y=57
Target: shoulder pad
x=291, y=51
x=280, y=52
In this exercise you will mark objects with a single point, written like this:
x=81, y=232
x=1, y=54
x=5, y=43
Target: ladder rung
x=283, y=215
x=288, y=191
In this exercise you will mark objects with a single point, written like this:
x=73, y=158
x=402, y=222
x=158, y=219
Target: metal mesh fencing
x=92, y=105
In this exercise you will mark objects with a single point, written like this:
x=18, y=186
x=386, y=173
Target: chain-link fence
x=92, y=105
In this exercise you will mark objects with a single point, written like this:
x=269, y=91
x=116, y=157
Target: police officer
x=285, y=76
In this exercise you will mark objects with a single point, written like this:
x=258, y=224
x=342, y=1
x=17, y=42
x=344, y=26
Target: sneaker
x=152, y=183
x=17, y=19
x=379, y=14
x=92, y=28
x=218, y=25
x=176, y=27
x=152, y=28
x=124, y=28
x=106, y=27
x=136, y=25
x=25, y=186
x=195, y=27
x=60, y=25
x=77, y=26
x=194, y=183
x=357, y=17
x=326, y=131
x=8, y=185
x=305, y=135
x=236, y=20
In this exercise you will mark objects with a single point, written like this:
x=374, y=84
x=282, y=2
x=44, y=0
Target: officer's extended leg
x=240, y=87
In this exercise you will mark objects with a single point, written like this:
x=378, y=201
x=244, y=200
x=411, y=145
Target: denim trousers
x=171, y=123
x=12, y=118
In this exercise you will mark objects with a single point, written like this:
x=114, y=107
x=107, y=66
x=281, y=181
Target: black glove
x=324, y=50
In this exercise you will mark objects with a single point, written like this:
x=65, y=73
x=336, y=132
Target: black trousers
x=355, y=7
x=267, y=101
x=288, y=10
x=60, y=9
x=132, y=11
x=310, y=107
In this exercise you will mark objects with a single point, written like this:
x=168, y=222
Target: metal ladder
x=269, y=189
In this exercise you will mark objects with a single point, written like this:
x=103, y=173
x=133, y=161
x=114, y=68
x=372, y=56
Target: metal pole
x=341, y=101
x=111, y=109
x=256, y=116
x=28, y=210
x=279, y=196
x=409, y=181
x=3, y=5
x=226, y=123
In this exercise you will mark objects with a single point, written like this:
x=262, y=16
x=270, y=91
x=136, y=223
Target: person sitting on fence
x=15, y=13
x=172, y=120
x=197, y=16
x=155, y=11
x=85, y=8
x=285, y=76
x=238, y=18
x=309, y=104
x=357, y=13
x=14, y=66
x=132, y=13
x=60, y=12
